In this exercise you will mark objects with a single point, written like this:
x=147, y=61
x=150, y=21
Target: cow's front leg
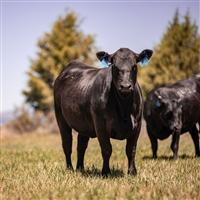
x=102, y=132
x=154, y=142
x=130, y=152
x=106, y=151
x=175, y=144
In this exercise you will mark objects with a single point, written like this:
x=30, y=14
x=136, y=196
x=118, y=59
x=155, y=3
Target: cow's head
x=124, y=67
x=169, y=111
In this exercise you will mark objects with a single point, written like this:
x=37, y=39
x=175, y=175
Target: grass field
x=32, y=167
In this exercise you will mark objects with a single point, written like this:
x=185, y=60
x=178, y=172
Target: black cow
x=173, y=110
x=104, y=103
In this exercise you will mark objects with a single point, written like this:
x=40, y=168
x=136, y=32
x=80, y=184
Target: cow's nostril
x=125, y=87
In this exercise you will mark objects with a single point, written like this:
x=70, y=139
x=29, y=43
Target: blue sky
x=133, y=24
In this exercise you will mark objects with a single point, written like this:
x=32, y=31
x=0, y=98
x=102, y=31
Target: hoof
x=154, y=156
x=80, y=169
x=132, y=172
x=70, y=167
x=197, y=155
x=106, y=173
x=175, y=157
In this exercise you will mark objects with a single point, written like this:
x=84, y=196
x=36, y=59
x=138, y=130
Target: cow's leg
x=106, y=151
x=66, y=136
x=195, y=137
x=81, y=148
x=130, y=153
x=103, y=136
x=131, y=149
x=175, y=144
x=154, y=142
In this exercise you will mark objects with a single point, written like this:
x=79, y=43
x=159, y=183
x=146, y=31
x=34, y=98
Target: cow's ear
x=144, y=56
x=102, y=55
x=159, y=101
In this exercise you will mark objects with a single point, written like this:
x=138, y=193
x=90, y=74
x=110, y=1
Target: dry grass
x=32, y=167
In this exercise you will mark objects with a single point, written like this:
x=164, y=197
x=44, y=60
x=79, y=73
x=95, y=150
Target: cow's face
x=169, y=111
x=124, y=67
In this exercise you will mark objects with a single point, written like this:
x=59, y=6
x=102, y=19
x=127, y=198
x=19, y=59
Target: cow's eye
x=134, y=69
x=168, y=115
x=121, y=72
x=116, y=70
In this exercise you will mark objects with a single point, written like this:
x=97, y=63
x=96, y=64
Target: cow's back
x=189, y=94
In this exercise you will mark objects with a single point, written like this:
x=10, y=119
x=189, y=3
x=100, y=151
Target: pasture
x=32, y=167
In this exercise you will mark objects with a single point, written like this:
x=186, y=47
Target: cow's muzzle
x=125, y=88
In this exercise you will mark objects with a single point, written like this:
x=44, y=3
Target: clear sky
x=133, y=24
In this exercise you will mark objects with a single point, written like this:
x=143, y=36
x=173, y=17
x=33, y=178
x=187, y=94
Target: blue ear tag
x=144, y=61
x=158, y=104
x=104, y=63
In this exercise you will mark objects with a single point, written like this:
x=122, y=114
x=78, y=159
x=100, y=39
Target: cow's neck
x=123, y=104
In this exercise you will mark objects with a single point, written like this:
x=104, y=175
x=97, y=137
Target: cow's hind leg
x=81, y=148
x=195, y=137
x=154, y=142
x=66, y=136
x=175, y=144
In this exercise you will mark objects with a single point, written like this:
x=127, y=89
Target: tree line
x=175, y=57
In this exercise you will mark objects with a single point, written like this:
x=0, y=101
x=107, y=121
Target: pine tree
x=56, y=49
x=176, y=57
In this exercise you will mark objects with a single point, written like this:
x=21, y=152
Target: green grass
x=32, y=167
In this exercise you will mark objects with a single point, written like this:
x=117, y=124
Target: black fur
x=173, y=110
x=103, y=103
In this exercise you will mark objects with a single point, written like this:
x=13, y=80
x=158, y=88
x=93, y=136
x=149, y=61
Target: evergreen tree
x=63, y=44
x=176, y=57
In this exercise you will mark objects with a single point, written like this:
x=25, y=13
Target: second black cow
x=103, y=103
x=173, y=110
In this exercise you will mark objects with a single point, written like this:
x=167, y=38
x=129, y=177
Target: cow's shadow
x=182, y=157
x=94, y=172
